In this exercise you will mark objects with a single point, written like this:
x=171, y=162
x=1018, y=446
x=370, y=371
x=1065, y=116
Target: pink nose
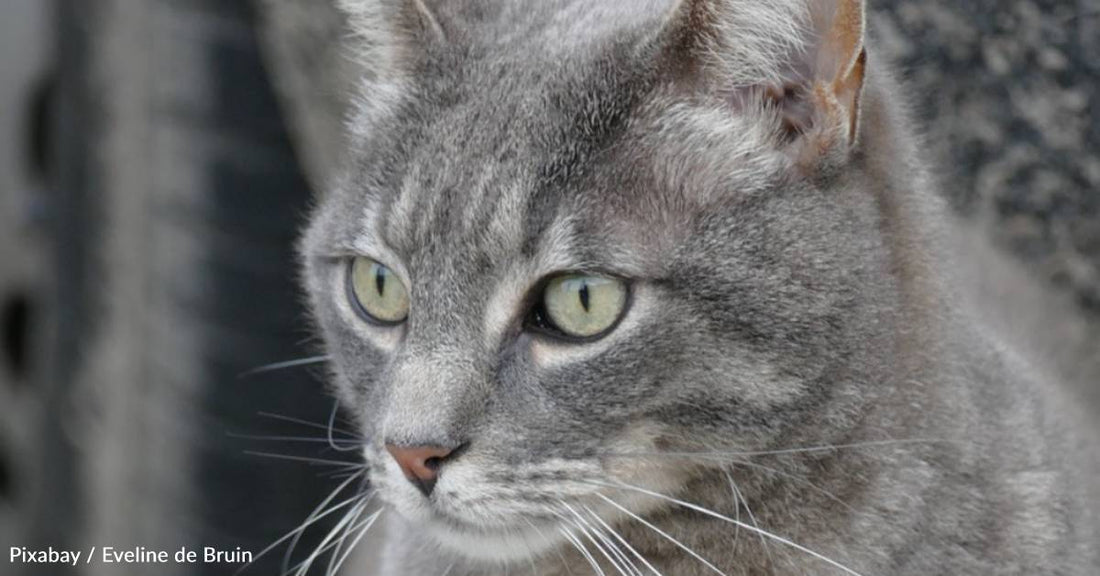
x=420, y=464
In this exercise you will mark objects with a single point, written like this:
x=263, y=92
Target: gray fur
x=774, y=307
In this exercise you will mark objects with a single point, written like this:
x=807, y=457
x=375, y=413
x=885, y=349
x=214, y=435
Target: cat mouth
x=489, y=524
x=497, y=542
x=444, y=515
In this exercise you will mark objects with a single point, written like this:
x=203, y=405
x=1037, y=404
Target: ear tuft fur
x=388, y=39
x=388, y=33
x=741, y=44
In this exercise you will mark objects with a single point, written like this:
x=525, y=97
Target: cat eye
x=376, y=292
x=581, y=306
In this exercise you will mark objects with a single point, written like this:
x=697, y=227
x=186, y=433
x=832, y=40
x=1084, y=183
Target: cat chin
x=496, y=545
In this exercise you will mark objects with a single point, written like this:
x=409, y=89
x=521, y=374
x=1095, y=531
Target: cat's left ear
x=805, y=58
x=389, y=35
x=839, y=64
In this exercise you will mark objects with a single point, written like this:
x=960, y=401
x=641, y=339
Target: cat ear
x=840, y=65
x=804, y=57
x=390, y=33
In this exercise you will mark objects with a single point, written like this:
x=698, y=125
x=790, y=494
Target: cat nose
x=420, y=464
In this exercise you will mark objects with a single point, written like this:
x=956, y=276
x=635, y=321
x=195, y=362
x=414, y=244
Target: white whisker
x=718, y=516
x=583, y=550
x=620, y=562
x=627, y=564
x=748, y=510
x=736, y=504
x=362, y=532
x=263, y=438
x=588, y=534
x=823, y=448
x=283, y=365
x=314, y=516
x=663, y=534
x=542, y=535
x=303, y=567
x=302, y=422
x=328, y=431
x=297, y=530
x=321, y=549
x=812, y=486
x=320, y=461
x=624, y=542
x=348, y=530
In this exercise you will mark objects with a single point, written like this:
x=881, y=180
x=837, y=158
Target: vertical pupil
x=380, y=280
x=584, y=296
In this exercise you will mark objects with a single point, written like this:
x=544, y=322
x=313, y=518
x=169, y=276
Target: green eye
x=583, y=306
x=377, y=292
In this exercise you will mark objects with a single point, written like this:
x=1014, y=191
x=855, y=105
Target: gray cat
x=659, y=287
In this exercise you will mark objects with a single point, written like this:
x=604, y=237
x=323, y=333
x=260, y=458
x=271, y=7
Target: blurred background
x=157, y=158
x=150, y=201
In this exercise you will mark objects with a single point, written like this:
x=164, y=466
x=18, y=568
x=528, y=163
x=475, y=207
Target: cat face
x=547, y=268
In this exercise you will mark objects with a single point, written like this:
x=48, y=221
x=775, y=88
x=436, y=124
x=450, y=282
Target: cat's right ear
x=389, y=34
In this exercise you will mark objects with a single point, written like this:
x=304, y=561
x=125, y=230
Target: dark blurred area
x=151, y=200
x=157, y=158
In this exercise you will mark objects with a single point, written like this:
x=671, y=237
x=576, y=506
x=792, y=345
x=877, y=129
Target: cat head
x=576, y=236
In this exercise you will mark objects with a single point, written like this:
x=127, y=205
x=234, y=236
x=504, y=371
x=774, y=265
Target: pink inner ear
x=813, y=89
x=791, y=96
x=825, y=82
x=837, y=28
x=845, y=38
